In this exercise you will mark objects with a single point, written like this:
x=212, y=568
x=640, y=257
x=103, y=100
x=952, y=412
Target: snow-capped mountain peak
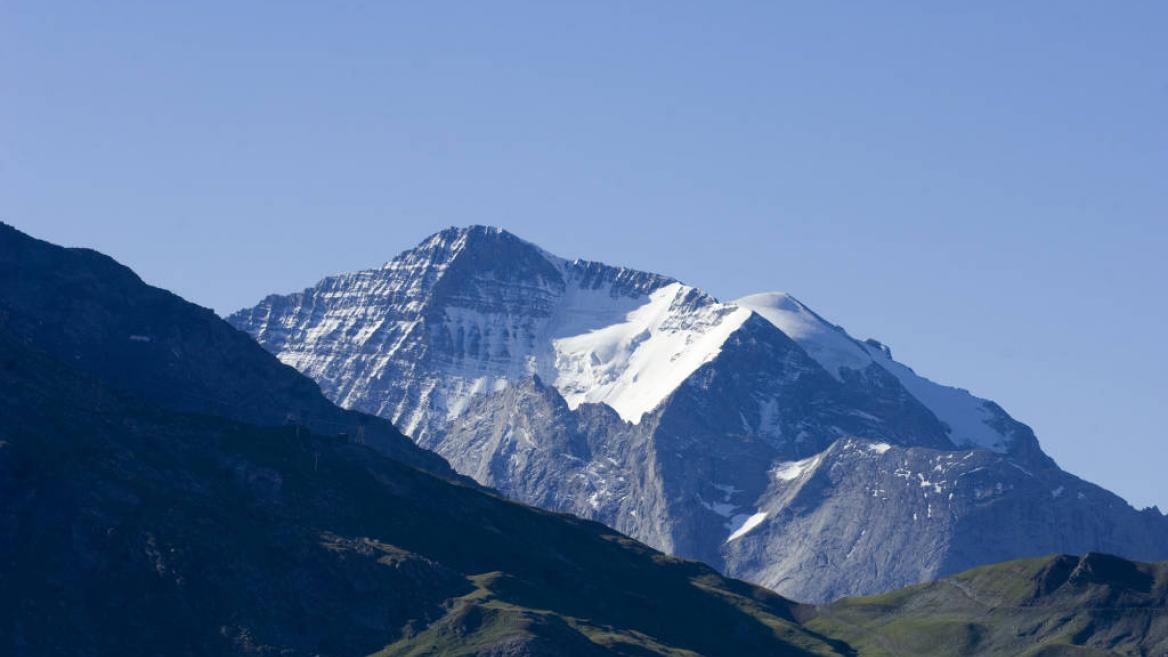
x=635, y=363
x=828, y=344
x=446, y=244
x=972, y=422
x=473, y=309
x=754, y=435
x=476, y=307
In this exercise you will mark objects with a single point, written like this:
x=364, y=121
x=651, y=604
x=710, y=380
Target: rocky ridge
x=649, y=405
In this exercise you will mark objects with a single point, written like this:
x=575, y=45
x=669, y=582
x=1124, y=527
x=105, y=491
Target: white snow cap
x=826, y=343
x=967, y=416
x=636, y=362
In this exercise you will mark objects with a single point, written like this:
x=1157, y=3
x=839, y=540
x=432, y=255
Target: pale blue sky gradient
x=980, y=185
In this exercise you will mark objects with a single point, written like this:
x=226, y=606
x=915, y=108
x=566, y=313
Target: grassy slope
x=134, y=530
x=1089, y=606
x=128, y=529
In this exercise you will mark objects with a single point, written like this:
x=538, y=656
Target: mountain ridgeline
x=96, y=314
x=752, y=435
x=168, y=488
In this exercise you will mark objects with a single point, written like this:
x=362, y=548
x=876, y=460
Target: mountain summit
x=753, y=435
x=168, y=488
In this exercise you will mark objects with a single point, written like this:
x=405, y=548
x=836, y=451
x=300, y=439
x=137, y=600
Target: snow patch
x=829, y=345
x=634, y=364
x=966, y=416
x=724, y=509
x=792, y=470
x=743, y=524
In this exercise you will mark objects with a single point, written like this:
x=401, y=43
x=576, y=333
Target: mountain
x=132, y=525
x=753, y=435
x=84, y=308
x=1063, y=606
x=883, y=514
x=153, y=503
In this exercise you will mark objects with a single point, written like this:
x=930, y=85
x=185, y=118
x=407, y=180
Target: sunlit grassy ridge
x=1094, y=605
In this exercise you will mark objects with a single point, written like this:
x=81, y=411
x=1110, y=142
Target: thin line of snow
x=792, y=470
x=745, y=525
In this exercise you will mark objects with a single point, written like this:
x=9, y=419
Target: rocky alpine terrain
x=169, y=488
x=753, y=435
x=232, y=511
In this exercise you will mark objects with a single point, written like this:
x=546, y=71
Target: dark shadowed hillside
x=135, y=521
x=86, y=309
x=153, y=503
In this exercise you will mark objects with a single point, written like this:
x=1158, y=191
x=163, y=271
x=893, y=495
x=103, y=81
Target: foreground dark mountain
x=1094, y=606
x=128, y=527
x=83, y=308
x=136, y=521
x=752, y=435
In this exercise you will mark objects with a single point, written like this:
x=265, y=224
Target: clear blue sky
x=981, y=185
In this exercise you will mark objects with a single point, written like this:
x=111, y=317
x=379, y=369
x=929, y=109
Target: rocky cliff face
x=753, y=435
x=873, y=516
x=463, y=314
